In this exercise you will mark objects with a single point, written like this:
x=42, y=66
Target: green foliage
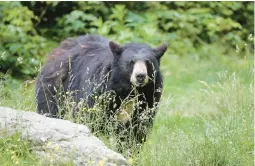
x=74, y=23
x=28, y=28
x=185, y=25
x=21, y=47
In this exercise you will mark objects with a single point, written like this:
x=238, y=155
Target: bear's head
x=139, y=63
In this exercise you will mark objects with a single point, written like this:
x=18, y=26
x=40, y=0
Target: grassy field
x=205, y=117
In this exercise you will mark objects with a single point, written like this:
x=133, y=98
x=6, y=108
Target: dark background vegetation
x=29, y=30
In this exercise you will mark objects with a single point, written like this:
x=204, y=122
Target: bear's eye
x=148, y=62
x=132, y=61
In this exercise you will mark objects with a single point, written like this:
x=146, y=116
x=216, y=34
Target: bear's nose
x=140, y=77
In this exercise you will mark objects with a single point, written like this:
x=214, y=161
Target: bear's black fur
x=90, y=66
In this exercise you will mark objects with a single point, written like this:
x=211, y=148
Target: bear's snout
x=139, y=76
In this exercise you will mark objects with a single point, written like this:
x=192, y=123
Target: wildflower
x=101, y=163
x=130, y=160
x=49, y=143
x=57, y=148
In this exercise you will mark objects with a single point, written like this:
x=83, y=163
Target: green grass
x=205, y=117
x=217, y=129
x=15, y=151
x=17, y=94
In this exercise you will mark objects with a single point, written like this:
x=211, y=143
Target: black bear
x=90, y=66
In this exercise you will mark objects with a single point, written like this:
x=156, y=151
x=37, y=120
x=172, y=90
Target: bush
x=21, y=47
x=28, y=28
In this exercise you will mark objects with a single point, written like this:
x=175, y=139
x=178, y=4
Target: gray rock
x=59, y=141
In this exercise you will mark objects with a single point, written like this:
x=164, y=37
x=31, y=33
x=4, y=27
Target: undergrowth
x=15, y=151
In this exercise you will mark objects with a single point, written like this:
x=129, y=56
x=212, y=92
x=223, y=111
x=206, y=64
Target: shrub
x=28, y=28
x=21, y=47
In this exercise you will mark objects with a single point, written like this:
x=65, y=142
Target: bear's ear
x=160, y=50
x=115, y=48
